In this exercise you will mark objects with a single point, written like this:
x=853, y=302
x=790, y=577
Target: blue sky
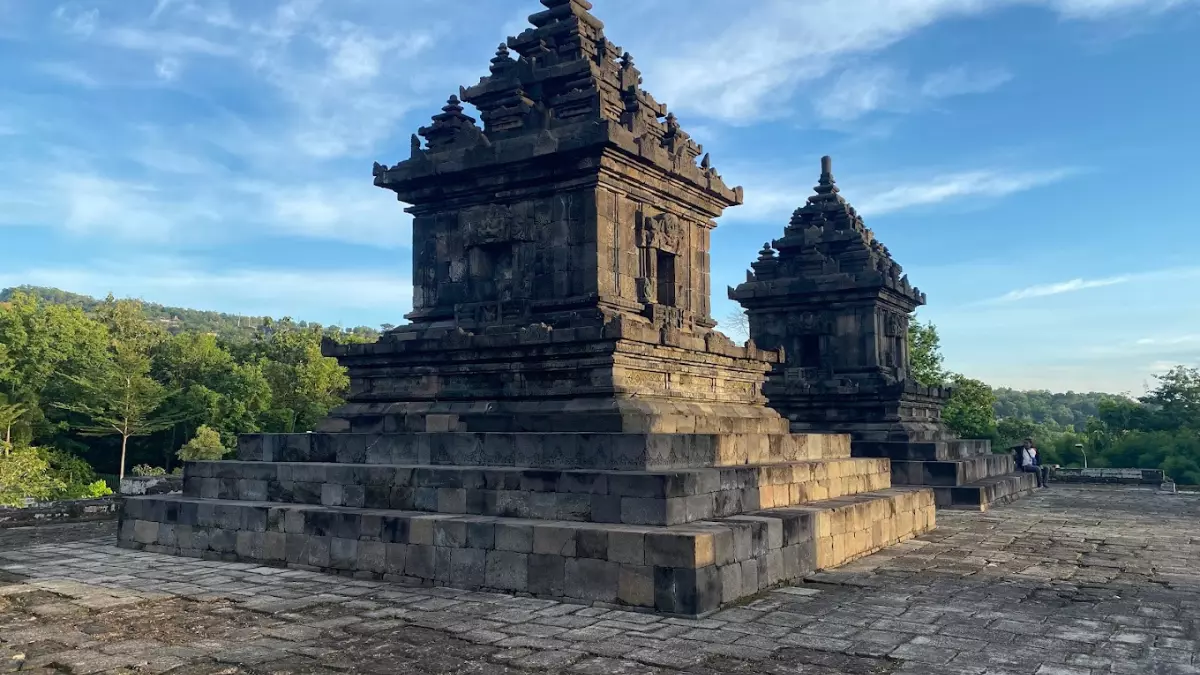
x=1031, y=163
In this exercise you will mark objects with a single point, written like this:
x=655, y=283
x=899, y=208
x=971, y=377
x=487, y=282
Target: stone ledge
x=638, y=498
x=612, y=451
x=984, y=494
x=923, y=451
x=66, y=511
x=946, y=473
x=690, y=570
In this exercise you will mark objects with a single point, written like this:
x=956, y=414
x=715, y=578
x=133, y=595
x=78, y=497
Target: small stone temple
x=830, y=296
x=559, y=417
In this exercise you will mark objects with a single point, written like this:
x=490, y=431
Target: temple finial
x=826, y=170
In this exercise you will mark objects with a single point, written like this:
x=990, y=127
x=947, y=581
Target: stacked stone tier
x=689, y=569
x=631, y=497
x=677, y=523
x=963, y=473
x=599, y=451
x=623, y=376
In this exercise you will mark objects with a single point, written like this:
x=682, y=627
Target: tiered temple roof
x=561, y=73
x=827, y=247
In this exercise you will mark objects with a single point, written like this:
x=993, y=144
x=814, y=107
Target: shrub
x=147, y=470
x=205, y=446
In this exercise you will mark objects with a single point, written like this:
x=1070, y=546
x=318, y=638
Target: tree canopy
x=108, y=382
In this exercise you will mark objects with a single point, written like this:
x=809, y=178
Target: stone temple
x=559, y=418
x=829, y=294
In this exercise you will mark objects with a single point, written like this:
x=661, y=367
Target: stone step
x=986, y=493
x=689, y=570
x=631, y=497
x=923, y=451
x=600, y=451
x=950, y=472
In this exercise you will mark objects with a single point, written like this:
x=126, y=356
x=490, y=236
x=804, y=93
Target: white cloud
x=328, y=90
x=167, y=68
x=858, y=91
x=69, y=73
x=164, y=42
x=773, y=195
x=1170, y=341
x=328, y=295
x=76, y=20
x=746, y=68
x=1080, y=284
x=961, y=80
x=1058, y=288
x=351, y=211
x=955, y=186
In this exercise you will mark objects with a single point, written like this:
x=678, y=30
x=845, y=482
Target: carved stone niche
x=811, y=346
x=662, y=241
x=895, y=324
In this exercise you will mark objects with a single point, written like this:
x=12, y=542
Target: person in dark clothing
x=1028, y=460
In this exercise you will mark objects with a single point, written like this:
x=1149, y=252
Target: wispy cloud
x=862, y=90
x=1058, y=288
x=326, y=88
x=772, y=195
x=961, y=80
x=786, y=45
x=957, y=186
x=1170, y=341
x=69, y=73
x=1081, y=284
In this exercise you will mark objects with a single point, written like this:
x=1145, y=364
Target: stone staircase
x=964, y=474
x=677, y=523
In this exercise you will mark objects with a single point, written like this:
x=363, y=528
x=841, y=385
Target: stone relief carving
x=663, y=231
x=489, y=224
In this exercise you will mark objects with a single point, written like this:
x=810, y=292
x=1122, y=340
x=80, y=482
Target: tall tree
x=118, y=396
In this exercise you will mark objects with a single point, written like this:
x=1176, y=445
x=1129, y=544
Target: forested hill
x=174, y=319
x=1069, y=410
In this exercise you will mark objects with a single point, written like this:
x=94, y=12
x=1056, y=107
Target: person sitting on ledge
x=1029, y=461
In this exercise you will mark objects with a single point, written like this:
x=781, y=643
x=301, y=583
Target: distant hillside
x=175, y=319
x=1069, y=410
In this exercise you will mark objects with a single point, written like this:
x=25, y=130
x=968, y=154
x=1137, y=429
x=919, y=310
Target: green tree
x=304, y=384
x=41, y=343
x=24, y=473
x=9, y=415
x=925, y=353
x=118, y=395
x=1175, y=402
x=123, y=403
x=206, y=445
x=970, y=411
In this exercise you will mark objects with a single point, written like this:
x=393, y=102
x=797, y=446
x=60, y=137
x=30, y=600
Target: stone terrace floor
x=1072, y=580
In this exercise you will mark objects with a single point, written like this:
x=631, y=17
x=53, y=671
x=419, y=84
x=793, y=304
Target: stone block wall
x=67, y=511
x=688, y=570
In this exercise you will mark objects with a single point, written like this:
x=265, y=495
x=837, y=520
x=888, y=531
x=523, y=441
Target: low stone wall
x=151, y=485
x=71, y=511
x=1117, y=476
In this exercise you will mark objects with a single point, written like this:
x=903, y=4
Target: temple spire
x=826, y=184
